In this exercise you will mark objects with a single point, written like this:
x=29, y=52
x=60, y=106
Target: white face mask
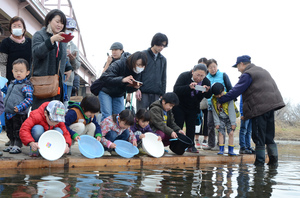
x=17, y=32
x=68, y=32
x=138, y=70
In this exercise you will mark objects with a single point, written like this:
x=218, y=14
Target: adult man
x=73, y=55
x=261, y=98
x=116, y=53
x=154, y=75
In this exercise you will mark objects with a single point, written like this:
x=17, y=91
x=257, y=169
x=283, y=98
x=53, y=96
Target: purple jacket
x=135, y=128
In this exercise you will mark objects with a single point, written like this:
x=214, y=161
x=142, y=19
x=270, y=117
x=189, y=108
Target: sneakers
x=106, y=153
x=252, y=151
x=204, y=144
x=15, y=150
x=245, y=151
x=197, y=144
x=192, y=150
x=7, y=149
x=33, y=153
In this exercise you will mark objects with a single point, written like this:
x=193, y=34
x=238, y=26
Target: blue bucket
x=90, y=147
x=125, y=149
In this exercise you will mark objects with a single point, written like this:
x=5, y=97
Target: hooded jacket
x=37, y=117
x=157, y=121
x=75, y=113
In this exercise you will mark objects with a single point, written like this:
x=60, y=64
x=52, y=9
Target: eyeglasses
x=162, y=45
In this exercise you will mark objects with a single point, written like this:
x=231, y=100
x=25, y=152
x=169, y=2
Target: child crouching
x=141, y=126
x=117, y=127
x=81, y=119
x=49, y=116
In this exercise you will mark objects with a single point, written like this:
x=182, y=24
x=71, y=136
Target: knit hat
x=242, y=59
x=217, y=88
x=116, y=45
x=56, y=111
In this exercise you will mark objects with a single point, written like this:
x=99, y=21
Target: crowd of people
x=204, y=92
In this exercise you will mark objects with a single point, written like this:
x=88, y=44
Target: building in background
x=33, y=12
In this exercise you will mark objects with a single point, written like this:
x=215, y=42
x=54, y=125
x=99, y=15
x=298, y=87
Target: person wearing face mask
x=119, y=78
x=191, y=87
x=48, y=52
x=14, y=47
x=73, y=55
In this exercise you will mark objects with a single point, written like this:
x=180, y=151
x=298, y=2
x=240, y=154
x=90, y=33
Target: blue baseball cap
x=71, y=23
x=242, y=59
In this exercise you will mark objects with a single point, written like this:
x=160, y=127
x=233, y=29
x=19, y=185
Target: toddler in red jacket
x=49, y=116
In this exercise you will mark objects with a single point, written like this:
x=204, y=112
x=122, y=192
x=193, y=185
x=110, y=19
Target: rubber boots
x=260, y=156
x=273, y=155
x=221, y=152
x=230, y=150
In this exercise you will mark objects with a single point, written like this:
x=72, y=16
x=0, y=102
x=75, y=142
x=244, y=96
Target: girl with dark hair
x=48, y=52
x=186, y=88
x=117, y=127
x=14, y=47
x=141, y=125
x=119, y=78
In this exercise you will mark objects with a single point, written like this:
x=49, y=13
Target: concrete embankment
x=76, y=160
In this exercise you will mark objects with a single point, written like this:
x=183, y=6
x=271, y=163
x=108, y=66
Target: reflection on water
x=157, y=181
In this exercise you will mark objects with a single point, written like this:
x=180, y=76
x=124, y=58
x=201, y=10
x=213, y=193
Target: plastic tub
x=52, y=145
x=152, y=146
x=90, y=147
x=125, y=149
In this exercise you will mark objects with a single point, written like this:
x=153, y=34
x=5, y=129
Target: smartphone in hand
x=107, y=54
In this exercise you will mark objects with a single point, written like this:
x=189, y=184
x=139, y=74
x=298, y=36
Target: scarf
x=19, y=41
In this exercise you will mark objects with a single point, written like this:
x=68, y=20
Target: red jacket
x=38, y=117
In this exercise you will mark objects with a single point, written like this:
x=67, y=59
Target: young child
x=162, y=119
x=49, y=116
x=117, y=127
x=81, y=119
x=245, y=133
x=17, y=101
x=224, y=118
x=141, y=125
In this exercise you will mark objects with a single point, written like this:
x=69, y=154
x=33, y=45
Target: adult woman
x=48, y=52
x=203, y=120
x=214, y=75
x=117, y=80
x=189, y=99
x=14, y=47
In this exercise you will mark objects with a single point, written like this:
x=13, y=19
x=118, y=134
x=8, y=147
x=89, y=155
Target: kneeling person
x=49, y=116
x=81, y=119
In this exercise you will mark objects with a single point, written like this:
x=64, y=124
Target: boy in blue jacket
x=81, y=119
